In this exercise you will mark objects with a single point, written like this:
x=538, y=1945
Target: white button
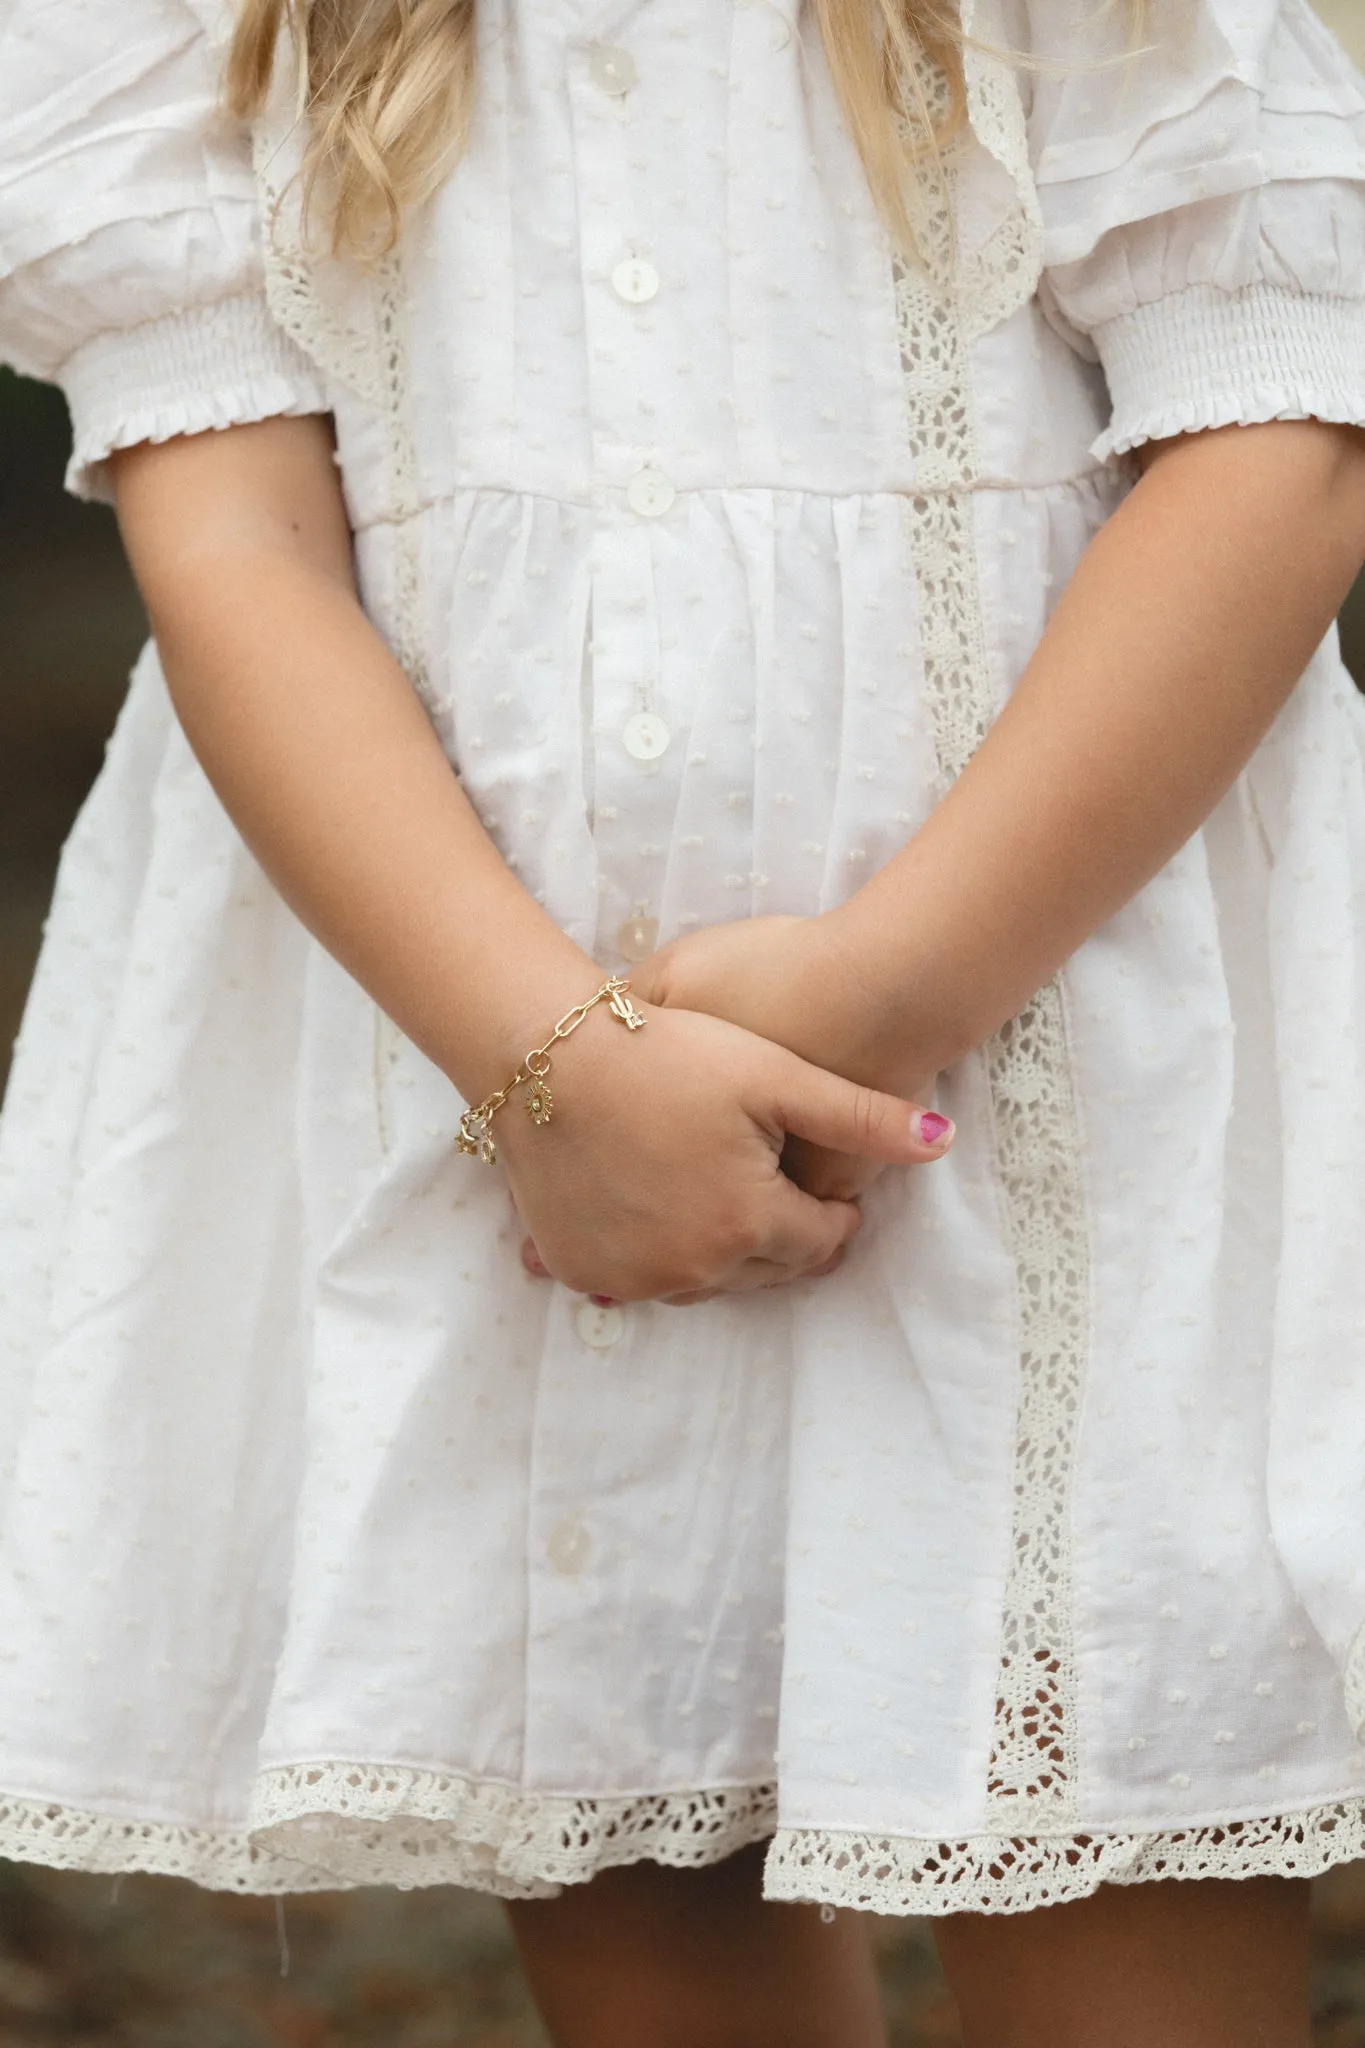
x=637, y=937
x=598, y=1326
x=650, y=493
x=568, y=1548
x=612, y=70
x=645, y=737
x=635, y=281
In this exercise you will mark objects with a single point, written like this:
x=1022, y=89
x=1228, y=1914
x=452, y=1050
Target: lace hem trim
x=1011, y=1874
x=334, y=1826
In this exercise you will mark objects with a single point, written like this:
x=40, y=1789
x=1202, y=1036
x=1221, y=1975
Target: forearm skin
x=1186, y=626
x=1184, y=630
x=316, y=742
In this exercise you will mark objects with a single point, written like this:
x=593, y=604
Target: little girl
x=715, y=561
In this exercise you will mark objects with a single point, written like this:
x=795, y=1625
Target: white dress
x=1028, y=1551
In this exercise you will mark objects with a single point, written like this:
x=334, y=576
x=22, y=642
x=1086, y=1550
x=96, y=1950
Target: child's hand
x=788, y=979
x=659, y=1176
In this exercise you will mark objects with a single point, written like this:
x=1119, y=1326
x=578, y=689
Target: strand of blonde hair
x=386, y=88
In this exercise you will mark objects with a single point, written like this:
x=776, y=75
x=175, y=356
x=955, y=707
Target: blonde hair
x=387, y=85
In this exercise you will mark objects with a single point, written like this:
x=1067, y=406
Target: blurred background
x=153, y=1963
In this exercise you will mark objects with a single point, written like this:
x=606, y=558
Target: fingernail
x=602, y=1300
x=932, y=1129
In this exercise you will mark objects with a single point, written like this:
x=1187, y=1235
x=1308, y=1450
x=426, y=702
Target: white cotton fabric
x=1029, y=1549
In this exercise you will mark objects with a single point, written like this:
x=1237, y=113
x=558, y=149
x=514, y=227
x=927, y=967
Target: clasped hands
x=780, y=1008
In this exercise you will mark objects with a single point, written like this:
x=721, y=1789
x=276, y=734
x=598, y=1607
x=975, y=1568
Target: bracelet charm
x=475, y=1136
x=540, y=1104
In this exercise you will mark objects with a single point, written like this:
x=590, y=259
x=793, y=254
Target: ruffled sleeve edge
x=1203, y=358
x=215, y=366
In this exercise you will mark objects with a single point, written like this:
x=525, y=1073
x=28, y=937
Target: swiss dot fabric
x=1028, y=1551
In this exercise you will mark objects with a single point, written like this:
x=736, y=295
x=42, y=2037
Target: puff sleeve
x=131, y=268
x=1203, y=201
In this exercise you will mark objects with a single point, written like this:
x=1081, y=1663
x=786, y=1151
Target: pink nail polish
x=602, y=1300
x=933, y=1128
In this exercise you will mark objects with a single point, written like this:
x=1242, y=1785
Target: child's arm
x=1188, y=622
x=658, y=1174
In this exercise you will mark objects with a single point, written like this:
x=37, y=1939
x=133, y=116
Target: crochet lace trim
x=323, y=302
x=333, y=1826
x=1031, y=1769
x=1032, y=1764
x=1007, y=1874
x=1001, y=273
x=980, y=281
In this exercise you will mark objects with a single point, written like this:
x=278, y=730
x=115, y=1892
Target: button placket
x=636, y=763
x=623, y=282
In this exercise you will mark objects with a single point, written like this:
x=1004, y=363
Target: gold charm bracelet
x=475, y=1138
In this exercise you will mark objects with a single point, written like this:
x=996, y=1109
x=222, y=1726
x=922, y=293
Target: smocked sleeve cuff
x=220, y=365
x=1204, y=358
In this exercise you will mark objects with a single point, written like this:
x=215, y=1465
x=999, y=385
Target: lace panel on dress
x=1032, y=1764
